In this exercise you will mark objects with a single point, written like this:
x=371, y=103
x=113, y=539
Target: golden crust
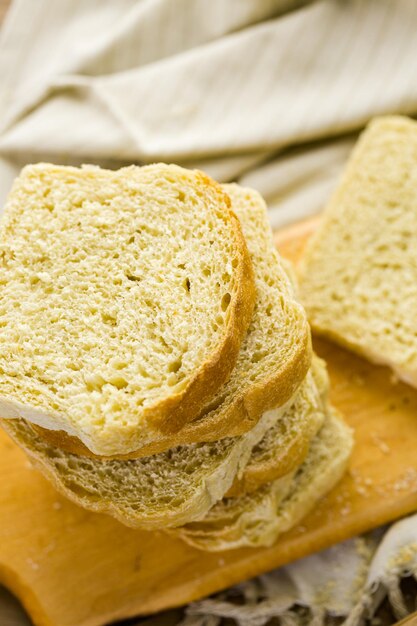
x=172, y=413
x=240, y=416
x=259, y=519
x=180, y=409
x=293, y=445
x=234, y=419
x=286, y=459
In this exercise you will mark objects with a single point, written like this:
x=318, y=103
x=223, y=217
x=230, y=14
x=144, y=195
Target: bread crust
x=283, y=462
x=284, y=502
x=182, y=408
x=237, y=419
x=290, y=450
x=168, y=415
x=234, y=419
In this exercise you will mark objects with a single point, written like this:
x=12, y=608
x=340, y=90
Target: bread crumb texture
x=359, y=274
x=257, y=519
x=285, y=444
x=275, y=354
x=163, y=490
x=116, y=289
x=167, y=489
x=277, y=339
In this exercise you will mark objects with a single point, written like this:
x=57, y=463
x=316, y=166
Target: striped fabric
x=267, y=92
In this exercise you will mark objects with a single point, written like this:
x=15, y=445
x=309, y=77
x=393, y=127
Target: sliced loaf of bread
x=125, y=296
x=167, y=489
x=358, y=278
x=259, y=518
x=274, y=357
x=176, y=486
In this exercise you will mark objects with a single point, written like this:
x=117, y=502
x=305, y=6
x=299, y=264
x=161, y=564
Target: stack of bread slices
x=155, y=363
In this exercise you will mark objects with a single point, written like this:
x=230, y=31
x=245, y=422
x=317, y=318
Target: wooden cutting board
x=74, y=568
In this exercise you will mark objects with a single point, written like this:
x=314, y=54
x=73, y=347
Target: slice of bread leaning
x=286, y=444
x=359, y=273
x=274, y=357
x=257, y=519
x=125, y=296
x=173, y=487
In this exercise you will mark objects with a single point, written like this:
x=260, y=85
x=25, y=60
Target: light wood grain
x=74, y=568
x=411, y=620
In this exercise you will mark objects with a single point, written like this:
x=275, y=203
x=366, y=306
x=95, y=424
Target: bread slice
x=259, y=518
x=125, y=296
x=285, y=445
x=274, y=357
x=359, y=273
x=176, y=486
x=168, y=489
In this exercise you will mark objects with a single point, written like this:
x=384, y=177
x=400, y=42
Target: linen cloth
x=271, y=93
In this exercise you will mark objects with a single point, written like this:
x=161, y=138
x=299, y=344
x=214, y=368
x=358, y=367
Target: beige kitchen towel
x=268, y=92
x=264, y=91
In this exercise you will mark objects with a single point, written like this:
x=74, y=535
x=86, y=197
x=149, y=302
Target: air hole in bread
x=175, y=365
x=225, y=301
x=133, y=278
x=212, y=406
x=94, y=382
x=258, y=356
x=110, y=319
x=119, y=382
x=118, y=365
